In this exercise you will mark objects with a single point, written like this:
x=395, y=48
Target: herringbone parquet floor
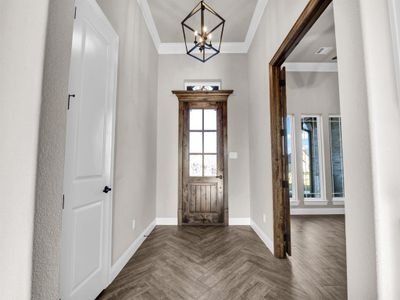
x=233, y=263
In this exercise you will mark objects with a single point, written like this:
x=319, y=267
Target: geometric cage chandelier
x=197, y=36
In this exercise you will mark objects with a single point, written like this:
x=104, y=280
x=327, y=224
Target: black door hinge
x=75, y=13
x=63, y=202
x=283, y=132
x=285, y=184
x=69, y=99
x=282, y=82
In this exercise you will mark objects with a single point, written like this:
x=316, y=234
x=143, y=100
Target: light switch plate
x=233, y=155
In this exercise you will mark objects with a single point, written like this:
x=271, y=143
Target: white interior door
x=86, y=232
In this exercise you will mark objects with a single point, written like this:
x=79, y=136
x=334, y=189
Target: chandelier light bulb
x=205, y=29
x=209, y=36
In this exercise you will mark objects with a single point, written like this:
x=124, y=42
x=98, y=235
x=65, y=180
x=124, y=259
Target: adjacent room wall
x=136, y=125
x=22, y=47
x=231, y=69
x=313, y=93
x=278, y=18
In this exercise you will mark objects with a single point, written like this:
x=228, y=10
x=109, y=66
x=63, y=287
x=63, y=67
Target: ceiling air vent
x=324, y=50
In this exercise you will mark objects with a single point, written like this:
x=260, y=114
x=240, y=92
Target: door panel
x=203, y=164
x=86, y=257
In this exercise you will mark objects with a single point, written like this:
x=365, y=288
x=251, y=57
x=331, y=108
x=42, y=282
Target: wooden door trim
x=203, y=96
x=184, y=98
x=308, y=17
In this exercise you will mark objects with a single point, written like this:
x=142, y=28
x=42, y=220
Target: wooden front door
x=203, y=170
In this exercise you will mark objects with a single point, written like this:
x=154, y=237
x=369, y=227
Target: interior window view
x=200, y=150
x=336, y=157
x=311, y=157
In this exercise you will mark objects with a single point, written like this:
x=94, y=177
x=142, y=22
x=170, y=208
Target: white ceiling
x=168, y=15
x=322, y=34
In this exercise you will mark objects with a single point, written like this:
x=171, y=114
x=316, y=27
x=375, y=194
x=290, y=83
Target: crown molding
x=255, y=21
x=179, y=48
x=151, y=26
x=311, y=67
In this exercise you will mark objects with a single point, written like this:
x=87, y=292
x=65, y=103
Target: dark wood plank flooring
x=233, y=263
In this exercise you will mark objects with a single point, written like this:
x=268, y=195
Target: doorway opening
x=307, y=156
x=306, y=133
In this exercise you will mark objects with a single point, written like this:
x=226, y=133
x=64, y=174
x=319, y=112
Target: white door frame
x=113, y=96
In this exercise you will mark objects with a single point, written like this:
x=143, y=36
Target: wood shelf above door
x=204, y=96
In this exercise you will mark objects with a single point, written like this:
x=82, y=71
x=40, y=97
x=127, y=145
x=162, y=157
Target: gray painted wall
x=231, y=69
x=313, y=93
x=278, y=18
x=136, y=125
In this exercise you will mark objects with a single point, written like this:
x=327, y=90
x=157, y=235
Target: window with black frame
x=337, y=169
x=311, y=156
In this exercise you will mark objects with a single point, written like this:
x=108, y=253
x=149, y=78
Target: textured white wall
x=50, y=172
x=315, y=93
x=384, y=116
x=136, y=124
x=360, y=233
x=231, y=69
x=22, y=45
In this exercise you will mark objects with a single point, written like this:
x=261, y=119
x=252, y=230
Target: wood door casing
x=306, y=20
x=203, y=200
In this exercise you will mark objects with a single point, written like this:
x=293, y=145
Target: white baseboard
x=317, y=211
x=239, y=221
x=167, y=221
x=126, y=256
x=265, y=238
x=174, y=221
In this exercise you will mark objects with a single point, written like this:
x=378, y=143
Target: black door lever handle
x=106, y=189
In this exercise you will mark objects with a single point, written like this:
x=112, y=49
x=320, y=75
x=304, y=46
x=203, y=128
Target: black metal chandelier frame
x=204, y=43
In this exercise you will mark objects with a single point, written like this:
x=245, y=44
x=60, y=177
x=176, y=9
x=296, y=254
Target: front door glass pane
x=210, y=142
x=196, y=119
x=196, y=165
x=210, y=119
x=196, y=142
x=210, y=165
